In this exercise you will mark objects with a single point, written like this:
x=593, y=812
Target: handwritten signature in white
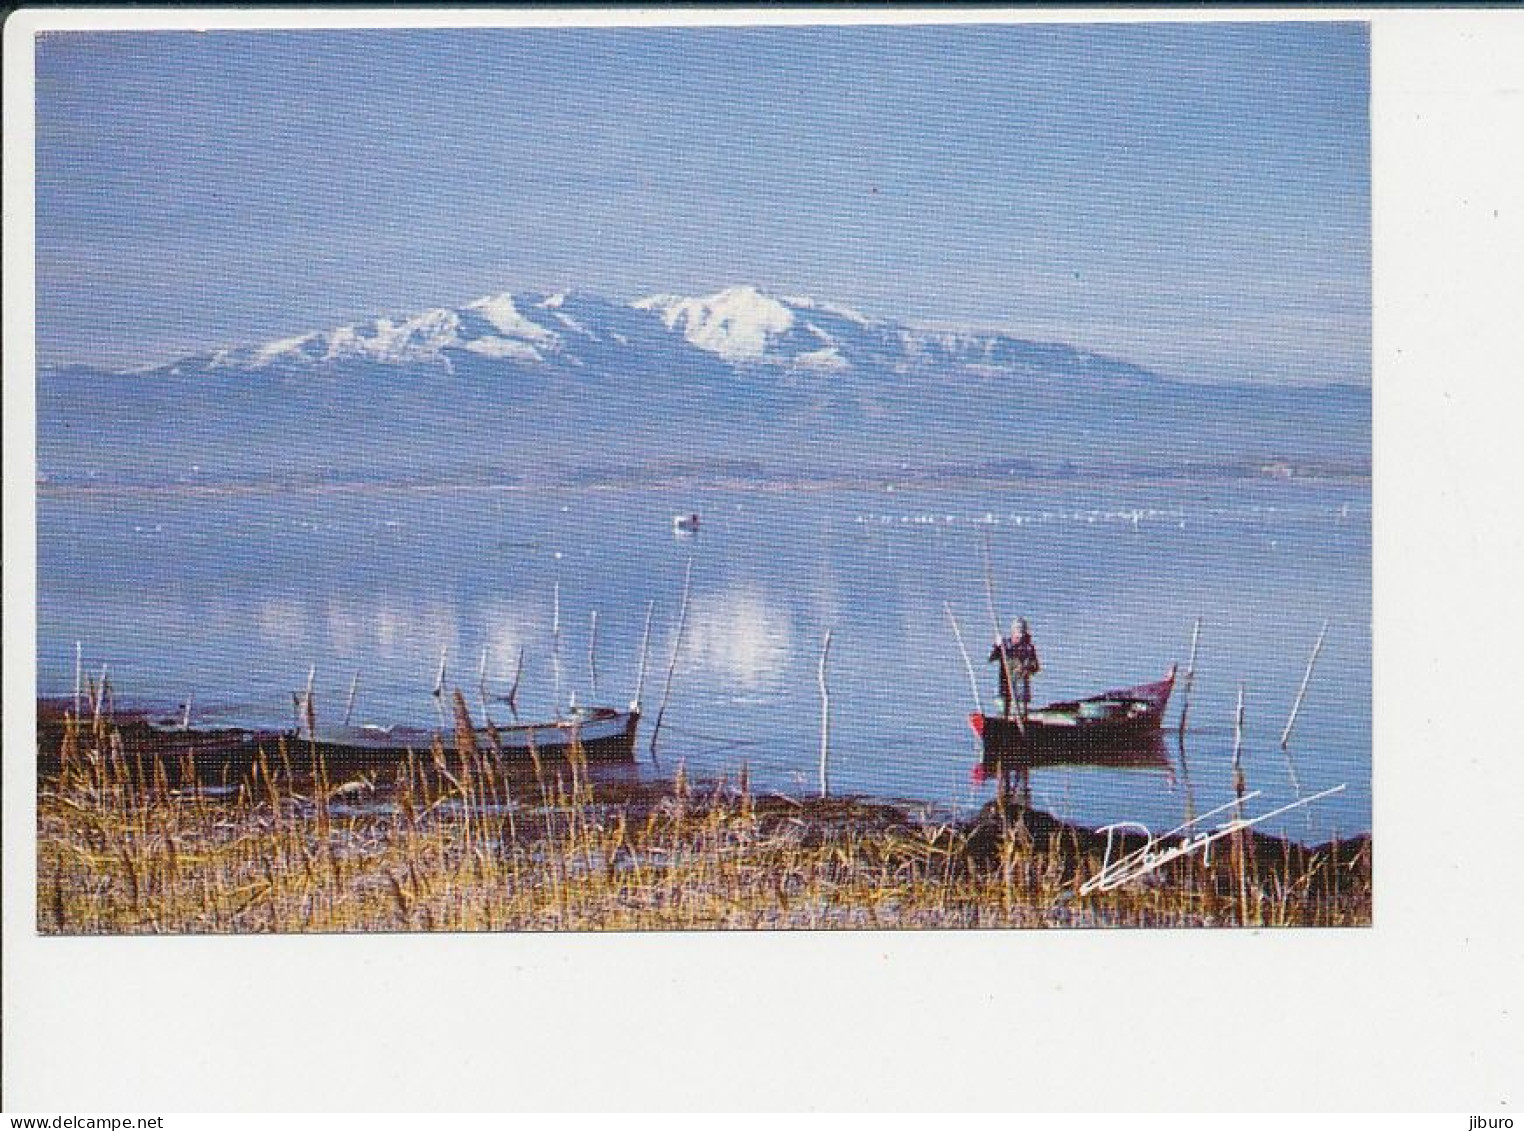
x=1141, y=861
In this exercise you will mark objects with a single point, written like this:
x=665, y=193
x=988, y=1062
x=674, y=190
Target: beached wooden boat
x=599, y=734
x=1079, y=730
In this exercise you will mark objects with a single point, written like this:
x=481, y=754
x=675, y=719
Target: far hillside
x=739, y=385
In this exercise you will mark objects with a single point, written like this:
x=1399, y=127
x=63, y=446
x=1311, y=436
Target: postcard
x=572, y=558
x=650, y=478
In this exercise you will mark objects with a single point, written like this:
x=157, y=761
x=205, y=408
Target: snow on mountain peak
x=805, y=302
x=736, y=323
x=419, y=338
x=504, y=316
x=271, y=351
x=826, y=360
x=511, y=349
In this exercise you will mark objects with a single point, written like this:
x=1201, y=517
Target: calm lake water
x=229, y=598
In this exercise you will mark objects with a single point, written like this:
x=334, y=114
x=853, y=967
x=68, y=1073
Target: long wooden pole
x=677, y=644
x=349, y=704
x=825, y=719
x=968, y=665
x=1005, y=661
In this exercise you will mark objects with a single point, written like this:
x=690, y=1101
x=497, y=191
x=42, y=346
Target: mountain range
x=575, y=387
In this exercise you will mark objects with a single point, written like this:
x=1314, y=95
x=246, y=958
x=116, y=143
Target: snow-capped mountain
x=526, y=386
x=739, y=326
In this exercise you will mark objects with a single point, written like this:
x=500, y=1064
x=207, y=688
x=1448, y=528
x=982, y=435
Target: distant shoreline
x=764, y=485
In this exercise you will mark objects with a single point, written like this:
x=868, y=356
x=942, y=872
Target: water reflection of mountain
x=740, y=634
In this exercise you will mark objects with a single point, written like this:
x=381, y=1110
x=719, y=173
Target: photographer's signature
x=1153, y=854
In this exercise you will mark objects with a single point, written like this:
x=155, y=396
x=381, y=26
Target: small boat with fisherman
x=1117, y=727
x=1074, y=730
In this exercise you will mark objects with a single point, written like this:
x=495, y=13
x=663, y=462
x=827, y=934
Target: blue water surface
x=229, y=598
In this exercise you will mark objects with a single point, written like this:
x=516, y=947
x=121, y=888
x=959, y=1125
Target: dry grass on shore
x=456, y=844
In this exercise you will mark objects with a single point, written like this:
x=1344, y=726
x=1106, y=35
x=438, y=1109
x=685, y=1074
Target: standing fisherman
x=1017, y=657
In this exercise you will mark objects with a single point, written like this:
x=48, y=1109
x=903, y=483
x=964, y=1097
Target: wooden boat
x=148, y=747
x=599, y=734
x=1076, y=731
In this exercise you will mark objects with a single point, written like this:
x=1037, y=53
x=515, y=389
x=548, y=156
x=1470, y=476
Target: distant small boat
x=1079, y=730
x=685, y=523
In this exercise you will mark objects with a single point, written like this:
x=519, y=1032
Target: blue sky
x=1194, y=197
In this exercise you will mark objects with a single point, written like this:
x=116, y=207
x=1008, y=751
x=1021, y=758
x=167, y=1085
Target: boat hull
x=602, y=736
x=226, y=754
x=1108, y=728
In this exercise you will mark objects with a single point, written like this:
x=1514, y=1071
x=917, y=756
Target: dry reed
x=456, y=840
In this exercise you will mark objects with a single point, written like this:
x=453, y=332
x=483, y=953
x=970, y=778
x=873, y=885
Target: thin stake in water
x=825, y=719
x=512, y=698
x=98, y=699
x=592, y=654
x=481, y=688
x=308, y=710
x=1238, y=749
x=439, y=682
x=1240, y=788
x=1296, y=708
x=349, y=703
x=677, y=646
x=1185, y=710
x=1190, y=677
x=645, y=641
x=555, y=640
